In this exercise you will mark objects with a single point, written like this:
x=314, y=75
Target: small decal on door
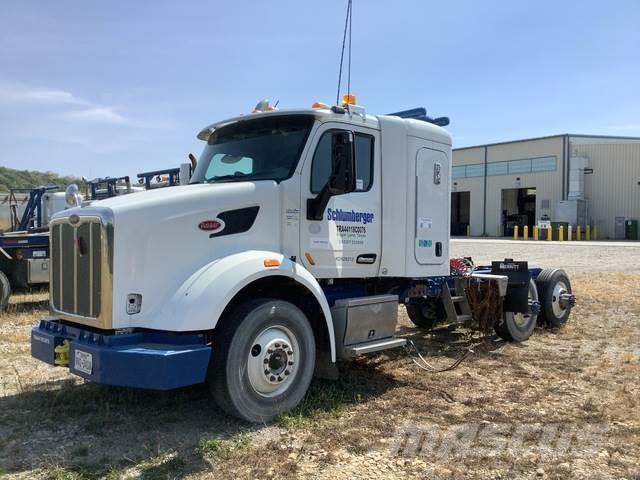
x=424, y=223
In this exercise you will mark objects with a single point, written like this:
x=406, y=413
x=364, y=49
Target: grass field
x=564, y=404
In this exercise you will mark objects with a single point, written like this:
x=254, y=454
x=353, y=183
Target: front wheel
x=263, y=360
x=518, y=327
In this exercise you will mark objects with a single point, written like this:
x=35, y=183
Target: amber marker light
x=309, y=258
x=271, y=262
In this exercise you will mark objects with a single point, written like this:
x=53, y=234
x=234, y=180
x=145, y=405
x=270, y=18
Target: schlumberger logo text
x=340, y=215
x=491, y=439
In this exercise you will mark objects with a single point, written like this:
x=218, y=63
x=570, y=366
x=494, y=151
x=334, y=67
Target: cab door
x=432, y=207
x=345, y=241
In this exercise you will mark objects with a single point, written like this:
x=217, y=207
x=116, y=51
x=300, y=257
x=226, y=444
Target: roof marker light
x=320, y=105
x=348, y=99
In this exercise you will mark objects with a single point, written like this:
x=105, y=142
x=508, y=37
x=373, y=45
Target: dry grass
x=53, y=425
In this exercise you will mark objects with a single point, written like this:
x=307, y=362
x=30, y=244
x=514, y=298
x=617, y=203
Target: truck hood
x=159, y=239
x=190, y=197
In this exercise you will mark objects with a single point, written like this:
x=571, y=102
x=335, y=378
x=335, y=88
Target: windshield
x=261, y=149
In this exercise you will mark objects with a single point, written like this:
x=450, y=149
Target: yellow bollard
x=588, y=233
x=535, y=232
x=578, y=233
x=549, y=233
x=525, y=232
x=594, y=234
x=569, y=233
x=468, y=230
x=515, y=232
x=561, y=233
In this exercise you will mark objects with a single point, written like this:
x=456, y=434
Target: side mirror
x=342, y=178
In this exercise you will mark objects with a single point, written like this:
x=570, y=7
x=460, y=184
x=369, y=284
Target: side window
x=364, y=162
x=321, y=163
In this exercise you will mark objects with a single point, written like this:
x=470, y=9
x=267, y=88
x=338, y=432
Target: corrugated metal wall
x=614, y=187
x=612, y=190
x=548, y=185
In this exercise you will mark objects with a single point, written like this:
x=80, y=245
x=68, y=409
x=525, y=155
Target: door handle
x=438, y=249
x=366, y=258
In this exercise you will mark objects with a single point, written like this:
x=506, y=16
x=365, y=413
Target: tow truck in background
x=300, y=234
x=24, y=247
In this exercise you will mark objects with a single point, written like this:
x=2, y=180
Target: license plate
x=83, y=362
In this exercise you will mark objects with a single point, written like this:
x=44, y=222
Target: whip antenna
x=347, y=26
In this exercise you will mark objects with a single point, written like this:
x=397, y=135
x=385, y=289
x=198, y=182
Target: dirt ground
x=564, y=404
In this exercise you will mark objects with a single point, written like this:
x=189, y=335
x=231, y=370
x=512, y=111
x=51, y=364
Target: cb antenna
x=347, y=26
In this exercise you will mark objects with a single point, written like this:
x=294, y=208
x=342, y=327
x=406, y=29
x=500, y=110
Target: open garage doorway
x=460, y=207
x=518, y=208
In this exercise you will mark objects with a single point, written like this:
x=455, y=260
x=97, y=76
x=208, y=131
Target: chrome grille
x=77, y=267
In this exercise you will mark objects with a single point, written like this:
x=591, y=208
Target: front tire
x=263, y=360
x=518, y=327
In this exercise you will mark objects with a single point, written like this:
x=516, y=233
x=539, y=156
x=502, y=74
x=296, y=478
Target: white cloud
x=97, y=114
x=68, y=106
x=18, y=94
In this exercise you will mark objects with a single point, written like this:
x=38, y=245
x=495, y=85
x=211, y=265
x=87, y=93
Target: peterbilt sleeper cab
x=298, y=236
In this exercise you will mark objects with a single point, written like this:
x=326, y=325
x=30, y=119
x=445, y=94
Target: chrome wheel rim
x=272, y=362
x=559, y=289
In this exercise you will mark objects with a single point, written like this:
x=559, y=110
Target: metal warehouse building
x=566, y=179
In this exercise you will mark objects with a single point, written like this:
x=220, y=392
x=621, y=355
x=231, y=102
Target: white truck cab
x=298, y=236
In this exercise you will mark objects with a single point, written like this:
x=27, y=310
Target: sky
x=111, y=88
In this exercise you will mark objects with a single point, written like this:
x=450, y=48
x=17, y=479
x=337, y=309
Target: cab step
x=455, y=302
x=375, y=346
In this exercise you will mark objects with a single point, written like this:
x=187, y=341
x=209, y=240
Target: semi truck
x=298, y=237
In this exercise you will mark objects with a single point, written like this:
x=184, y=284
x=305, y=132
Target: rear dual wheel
x=263, y=360
x=518, y=327
x=556, y=298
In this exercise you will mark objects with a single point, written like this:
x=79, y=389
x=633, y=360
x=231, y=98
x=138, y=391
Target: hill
x=10, y=178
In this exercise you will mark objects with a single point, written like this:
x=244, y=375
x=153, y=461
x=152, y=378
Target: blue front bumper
x=158, y=361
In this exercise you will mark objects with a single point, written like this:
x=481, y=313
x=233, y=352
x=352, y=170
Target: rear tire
x=5, y=291
x=263, y=360
x=427, y=314
x=551, y=284
x=517, y=327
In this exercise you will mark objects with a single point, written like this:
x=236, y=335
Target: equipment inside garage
x=460, y=207
x=518, y=208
